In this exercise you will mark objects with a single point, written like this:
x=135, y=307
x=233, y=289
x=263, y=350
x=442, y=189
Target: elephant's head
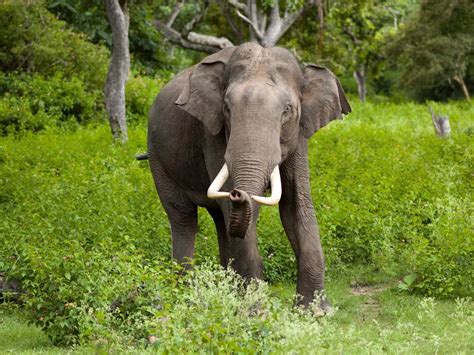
x=263, y=100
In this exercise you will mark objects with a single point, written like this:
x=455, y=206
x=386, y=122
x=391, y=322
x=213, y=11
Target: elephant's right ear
x=203, y=94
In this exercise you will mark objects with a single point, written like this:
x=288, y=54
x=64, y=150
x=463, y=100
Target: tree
x=148, y=48
x=117, y=13
x=265, y=20
x=356, y=33
x=437, y=49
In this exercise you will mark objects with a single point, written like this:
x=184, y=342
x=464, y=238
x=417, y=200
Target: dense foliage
x=388, y=192
x=34, y=41
x=150, y=52
x=49, y=75
x=440, y=34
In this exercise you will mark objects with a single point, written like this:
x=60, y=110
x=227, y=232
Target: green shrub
x=33, y=102
x=389, y=192
x=16, y=116
x=140, y=94
x=79, y=293
x=34, y=41
x=49, y=75
x=82, y=225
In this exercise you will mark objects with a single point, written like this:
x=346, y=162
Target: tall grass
x=82, y=229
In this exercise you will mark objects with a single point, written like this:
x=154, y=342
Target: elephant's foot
x=321, y=308
x=318, y=305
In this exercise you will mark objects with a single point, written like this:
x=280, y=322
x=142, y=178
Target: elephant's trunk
x=241, y=213
x=250, y=179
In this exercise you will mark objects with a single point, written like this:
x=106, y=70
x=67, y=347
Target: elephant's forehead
x=251, y=59
x=250, y=56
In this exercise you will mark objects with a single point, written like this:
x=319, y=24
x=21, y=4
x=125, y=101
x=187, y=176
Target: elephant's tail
x=143, y=156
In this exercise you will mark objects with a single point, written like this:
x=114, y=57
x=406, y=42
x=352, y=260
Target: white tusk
x=213, y=190
x=275, y=184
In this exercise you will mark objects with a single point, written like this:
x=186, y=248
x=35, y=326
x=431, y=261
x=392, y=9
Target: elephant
x=223, y=132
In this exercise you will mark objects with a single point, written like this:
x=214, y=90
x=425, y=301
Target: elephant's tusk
x=213, y=190
x=275, y=184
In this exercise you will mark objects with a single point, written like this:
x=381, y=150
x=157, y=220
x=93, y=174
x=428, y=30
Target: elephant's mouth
x=242, y=210
x=275, y=185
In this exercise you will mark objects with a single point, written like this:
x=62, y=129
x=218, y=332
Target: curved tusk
x=213, y=190
x=275, y=183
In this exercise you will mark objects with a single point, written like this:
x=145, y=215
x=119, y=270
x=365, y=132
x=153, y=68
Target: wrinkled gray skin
x=253, y=108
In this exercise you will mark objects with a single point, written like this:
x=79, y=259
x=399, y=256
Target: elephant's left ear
x=202, y=95
x=323, y=99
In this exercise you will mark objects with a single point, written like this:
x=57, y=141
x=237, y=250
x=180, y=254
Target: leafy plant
x=34, y=41
x=389, y=195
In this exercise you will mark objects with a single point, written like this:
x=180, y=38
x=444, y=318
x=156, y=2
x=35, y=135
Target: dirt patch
x=368, y=290
x=370, y=309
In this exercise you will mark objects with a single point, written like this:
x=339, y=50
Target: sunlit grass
x=389, y=195
x=377, y=319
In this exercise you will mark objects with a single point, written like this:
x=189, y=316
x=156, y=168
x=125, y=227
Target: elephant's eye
x=286, y=113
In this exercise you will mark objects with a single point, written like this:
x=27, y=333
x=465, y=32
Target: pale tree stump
x=440, y=123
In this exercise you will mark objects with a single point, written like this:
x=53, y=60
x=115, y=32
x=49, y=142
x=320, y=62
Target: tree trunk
x=117, y=13
x=360, y=77
x=252, y=9
x=320, y=6
x=458, y=78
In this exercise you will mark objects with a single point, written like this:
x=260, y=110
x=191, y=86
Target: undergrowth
x=84, y=233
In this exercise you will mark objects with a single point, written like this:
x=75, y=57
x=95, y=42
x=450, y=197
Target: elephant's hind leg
x=182, y=214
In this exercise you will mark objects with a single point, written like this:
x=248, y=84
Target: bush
x=16, y=116
x=140, y=94
x=82, y=226
x=389, y=192
x=49, y=75
x=34, y=41
x=33, y=102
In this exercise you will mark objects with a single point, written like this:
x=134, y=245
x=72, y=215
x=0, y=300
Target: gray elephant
x=222, y=132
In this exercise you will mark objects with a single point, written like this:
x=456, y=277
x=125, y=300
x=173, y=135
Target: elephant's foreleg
x=241, y=254
x=299, y=220
x=244, y=255
x=223, y=238
x=182, y=214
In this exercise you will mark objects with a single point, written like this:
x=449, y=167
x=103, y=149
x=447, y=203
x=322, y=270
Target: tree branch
x=238, y=5
x=278, y=26
x=187, y=38
x=176, y=10
x=253, y=25
x=351, y=35
x=196, y=19
x=275, y=12
x=175, y=37
x=237, y=32
x=290, y=18
x=262, y=21
x=199, y=38
x=253, y=17
x=320, y=6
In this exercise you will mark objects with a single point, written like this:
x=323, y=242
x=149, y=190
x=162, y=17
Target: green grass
x=82, y=228
x=17, y=336
x=367, y=319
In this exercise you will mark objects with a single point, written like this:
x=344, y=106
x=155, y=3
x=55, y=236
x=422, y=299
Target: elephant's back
x=175, y=139
x=164, y=107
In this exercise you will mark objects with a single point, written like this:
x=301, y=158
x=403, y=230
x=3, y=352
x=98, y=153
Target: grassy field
x=372, y=318
x=84, y=233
